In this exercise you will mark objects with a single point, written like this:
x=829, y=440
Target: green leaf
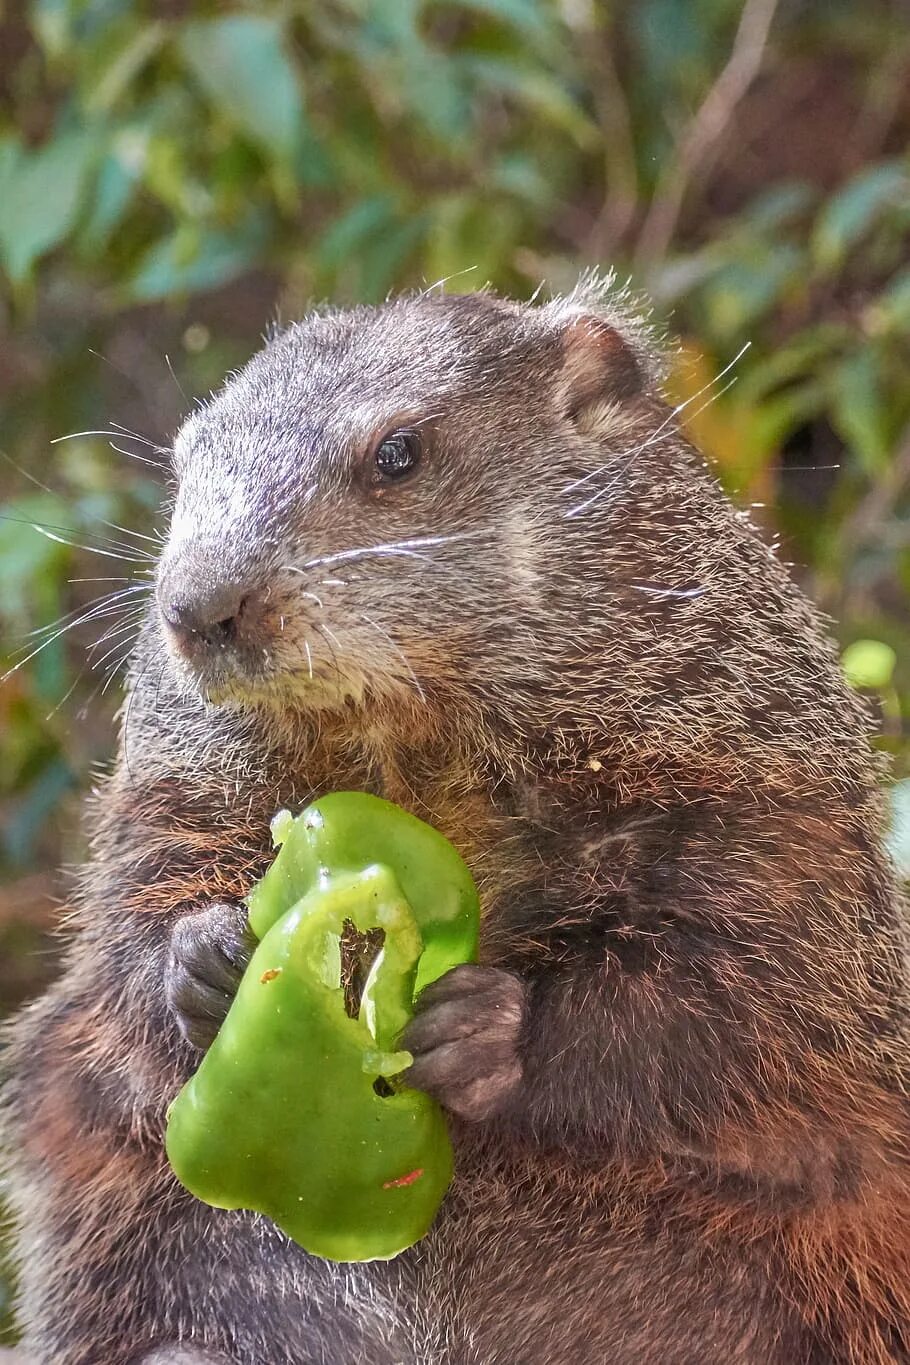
x=528, y=17
x=869, y=664
x=540, y=92
x=774, y=208
x=747, y=288
x=892, y=307
x=28, y=555
x=799, y=358
x=852, y=212
x=33, y=808
x=41, y=194
x=379, y=263
x=118, y=177
x=241, y=63
x=368, y=218
x=859, y=410
x=434, y=91
x=193, y=259
x=52, y=22
x=121, y=68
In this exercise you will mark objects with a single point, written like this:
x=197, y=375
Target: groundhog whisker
x=327, y=630
x=110, y=673
x=137, y=436
x=400, y=652
x=309, y=657
x=66, y=696
x=621, y=455
x=404, y=547
x=361, y=554
x=662, y=426
x=129, y=554
x=669, y=592
x=155, y=539
x=127, y=630
x=322, y=631
x=79, y=615
x=115, y=668
x=50, y=640
x=129, y=545
x=441, y=283
x=112, y=669
x=130, y=454
x=104, y=578
x=57, y=634
x=26, y=474
x=74, y=435
x=129, y=710
x=633, y=454
x=127, y=622
x=46, y=528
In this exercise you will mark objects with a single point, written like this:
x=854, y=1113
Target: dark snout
x=204, y=603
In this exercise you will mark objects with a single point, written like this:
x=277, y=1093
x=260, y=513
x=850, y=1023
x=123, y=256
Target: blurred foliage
x=171, y=173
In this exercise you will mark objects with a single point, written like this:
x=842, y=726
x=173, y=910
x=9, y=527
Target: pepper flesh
x=284, y=1115
x=348, y=831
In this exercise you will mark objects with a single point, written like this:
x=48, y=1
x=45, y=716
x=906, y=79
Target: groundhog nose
x=209, y=612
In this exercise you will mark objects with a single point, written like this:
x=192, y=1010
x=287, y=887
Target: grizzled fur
x=678, y=1077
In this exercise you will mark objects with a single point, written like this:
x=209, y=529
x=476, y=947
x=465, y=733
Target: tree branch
x=699, y=145
x=620, y=171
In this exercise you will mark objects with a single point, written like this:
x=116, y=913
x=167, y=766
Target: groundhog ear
x=598, y=366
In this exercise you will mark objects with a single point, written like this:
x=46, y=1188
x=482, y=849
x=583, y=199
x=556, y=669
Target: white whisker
x=327, y=630
x=49, y=640
x=112, y=601
x=385, y=634
x=115, y=630
x=674, y=412
x=135, y=436
x=669, y=592
x=155, y=540
x=90, y=549
x=403, y=547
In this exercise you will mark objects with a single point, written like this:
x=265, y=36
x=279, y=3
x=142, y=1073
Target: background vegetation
x=173, y=175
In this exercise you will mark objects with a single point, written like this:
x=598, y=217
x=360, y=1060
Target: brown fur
x=629, y=721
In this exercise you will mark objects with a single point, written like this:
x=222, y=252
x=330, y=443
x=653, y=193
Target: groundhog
x=457, y=551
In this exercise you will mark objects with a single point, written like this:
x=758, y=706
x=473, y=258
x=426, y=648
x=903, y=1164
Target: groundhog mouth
x=271, y=676
x=264, y=647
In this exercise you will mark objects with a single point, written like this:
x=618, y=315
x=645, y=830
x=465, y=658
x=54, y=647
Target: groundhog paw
x=465, y=1039
x=208, y=953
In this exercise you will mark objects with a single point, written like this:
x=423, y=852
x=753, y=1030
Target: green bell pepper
x=298, y=1110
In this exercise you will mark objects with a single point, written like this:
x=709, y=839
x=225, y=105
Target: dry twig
x=615, y=120
x=702, y=140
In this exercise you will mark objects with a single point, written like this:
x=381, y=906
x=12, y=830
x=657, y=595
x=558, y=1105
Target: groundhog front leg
x=208, y=953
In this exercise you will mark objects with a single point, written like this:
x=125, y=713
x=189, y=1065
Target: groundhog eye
x=397, y=454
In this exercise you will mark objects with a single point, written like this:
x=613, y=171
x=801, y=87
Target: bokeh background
x=174, y=177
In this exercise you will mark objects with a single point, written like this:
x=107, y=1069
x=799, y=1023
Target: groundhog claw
x=208, y=953
x=465, y=1040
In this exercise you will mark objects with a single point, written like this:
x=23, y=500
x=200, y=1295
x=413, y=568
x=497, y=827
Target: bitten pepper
x=291, y=1112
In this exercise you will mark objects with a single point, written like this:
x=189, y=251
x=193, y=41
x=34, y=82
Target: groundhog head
x=403, y=505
